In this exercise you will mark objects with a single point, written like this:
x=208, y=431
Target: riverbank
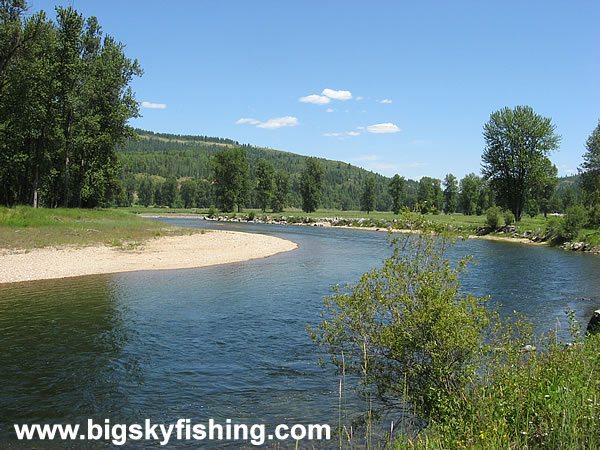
x=162, y=253
x=327, y=223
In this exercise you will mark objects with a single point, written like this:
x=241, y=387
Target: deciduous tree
x=311, y=185
x=518, y=142
x=397, y=190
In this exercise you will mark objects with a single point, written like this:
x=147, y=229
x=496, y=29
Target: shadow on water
x=229, y=341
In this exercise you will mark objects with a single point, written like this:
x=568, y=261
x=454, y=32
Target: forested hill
x=168, y=155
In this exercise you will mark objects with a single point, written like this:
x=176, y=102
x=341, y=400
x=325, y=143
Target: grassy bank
x=26, y=227
x=538, y=400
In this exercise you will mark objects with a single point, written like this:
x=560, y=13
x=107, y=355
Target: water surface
x=229, y=341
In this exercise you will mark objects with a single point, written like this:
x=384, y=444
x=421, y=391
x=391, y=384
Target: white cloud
x=153, y=105
x=385, y=101
x=278, y=122
x=330, y=110
x=248, y=121
x=345, y=133
x=337, y=95
x=316, y=99
x=359, y=98
x=381, y=128
x=270, y=124
x=381, y=166
x=367, y=158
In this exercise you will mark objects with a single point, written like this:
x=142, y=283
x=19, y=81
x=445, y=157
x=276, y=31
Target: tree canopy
x=518, y=142
x=311, y=185
x=590, y=168
x=231, y=178
x=65, y=104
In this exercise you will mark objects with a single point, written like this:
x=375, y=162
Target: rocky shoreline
x=508, y=233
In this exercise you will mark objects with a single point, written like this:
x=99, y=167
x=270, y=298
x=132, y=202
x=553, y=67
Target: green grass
x=546, y=400
x=26, y=227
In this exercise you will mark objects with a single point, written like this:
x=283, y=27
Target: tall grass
x=539, y=399
x=27, y=227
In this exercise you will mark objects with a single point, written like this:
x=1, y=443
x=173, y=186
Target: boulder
x=594, y=324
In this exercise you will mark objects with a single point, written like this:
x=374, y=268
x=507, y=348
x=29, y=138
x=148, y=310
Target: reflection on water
x=228, y=341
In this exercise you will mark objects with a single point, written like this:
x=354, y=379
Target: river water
x=230, y=341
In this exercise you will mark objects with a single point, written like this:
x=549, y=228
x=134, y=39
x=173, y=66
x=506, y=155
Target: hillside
x=165, y=155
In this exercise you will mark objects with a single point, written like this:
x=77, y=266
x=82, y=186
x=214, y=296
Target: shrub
x=251, y=216
x=406, y=329
x=509, y=218
x=492, y=217
x=594, y=216
x=212, y=211
x=575, y=219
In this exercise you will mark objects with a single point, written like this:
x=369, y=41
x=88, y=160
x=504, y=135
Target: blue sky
x=391, y=86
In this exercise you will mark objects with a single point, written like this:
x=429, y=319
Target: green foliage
x=574, y=220
x=548, y=399
x=212, y=211
x=590, y=169
x=492, y=217
x=231, y=178
x=518, y=142
x=265, y=179
x=369, y=196
x=189, y=193
x=406, y=328
x=169, y=192
x=430, y=195
x=397, y=190
x=189, y=157
x=469, y=193
x=282, y=186
x=311, y=185
x=65, y=103
x=450, y=194
x=509, y=218
x=532, y=207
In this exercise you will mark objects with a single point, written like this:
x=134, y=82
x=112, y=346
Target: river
x=229, y=341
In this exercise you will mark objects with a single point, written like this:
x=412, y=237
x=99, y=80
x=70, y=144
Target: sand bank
x=172, y=252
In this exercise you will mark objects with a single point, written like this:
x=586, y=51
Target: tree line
x=65, y=103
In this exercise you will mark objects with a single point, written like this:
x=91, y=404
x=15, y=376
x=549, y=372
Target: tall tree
x=397, y=190
x=169, y=192
x=311, y=185
x=430, y=196
x=265, y=183
x=231, y=178
x=189, y=193
x=518, y=141
x=450, y=194
x=369, y=195
x=145, y=191
x=590, y=169
x=469, y=193
x=282, y=185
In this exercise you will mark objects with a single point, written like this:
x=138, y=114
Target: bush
x=212, y=212
x=251, y=216
x=509, y=218
x=575, y=219
x=493, y=217
x=594, y=216
x=406, y=329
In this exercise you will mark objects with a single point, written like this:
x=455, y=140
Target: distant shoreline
x=162, y=253
x=515, y=240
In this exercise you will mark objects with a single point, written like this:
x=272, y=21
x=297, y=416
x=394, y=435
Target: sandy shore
x=173, y=252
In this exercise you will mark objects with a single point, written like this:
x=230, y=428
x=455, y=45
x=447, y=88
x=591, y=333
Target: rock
x=594, y=324
x=576, y=246
x=528, y=348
